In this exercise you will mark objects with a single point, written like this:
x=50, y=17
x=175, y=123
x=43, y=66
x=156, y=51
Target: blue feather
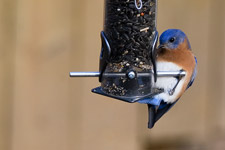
x=178, y=38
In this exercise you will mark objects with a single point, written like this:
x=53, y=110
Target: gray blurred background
x=41, y=108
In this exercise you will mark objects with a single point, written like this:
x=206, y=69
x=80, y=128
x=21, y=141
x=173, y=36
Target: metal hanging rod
x=97, y=74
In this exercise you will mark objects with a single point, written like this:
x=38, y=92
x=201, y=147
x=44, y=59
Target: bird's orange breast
x=181, y=56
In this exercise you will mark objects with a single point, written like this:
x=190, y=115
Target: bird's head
x=173, y=38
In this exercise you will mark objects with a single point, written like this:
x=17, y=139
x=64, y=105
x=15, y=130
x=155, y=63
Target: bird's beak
x=161, y=47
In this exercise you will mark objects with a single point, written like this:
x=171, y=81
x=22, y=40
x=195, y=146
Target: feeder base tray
x=99, y=90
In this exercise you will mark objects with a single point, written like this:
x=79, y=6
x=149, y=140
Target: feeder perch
x=127, y=59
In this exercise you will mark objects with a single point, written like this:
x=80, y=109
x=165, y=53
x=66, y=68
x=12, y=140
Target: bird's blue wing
x=156, y=113
x=156, y=109
x=193, y=75
x=163, y=108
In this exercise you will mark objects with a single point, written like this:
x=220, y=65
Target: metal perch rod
x=97, y=74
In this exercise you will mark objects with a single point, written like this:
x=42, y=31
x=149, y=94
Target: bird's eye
x=172, y=40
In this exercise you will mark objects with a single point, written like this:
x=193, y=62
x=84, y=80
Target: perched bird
x=173, y=54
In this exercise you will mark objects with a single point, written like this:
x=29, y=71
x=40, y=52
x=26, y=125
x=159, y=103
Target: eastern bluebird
x=173, y=54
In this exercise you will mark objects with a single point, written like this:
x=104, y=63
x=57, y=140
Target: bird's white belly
x=168, y=83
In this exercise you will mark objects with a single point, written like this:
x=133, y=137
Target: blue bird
x=173, y=54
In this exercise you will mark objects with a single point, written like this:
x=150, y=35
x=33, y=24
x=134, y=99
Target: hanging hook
x=138, y=4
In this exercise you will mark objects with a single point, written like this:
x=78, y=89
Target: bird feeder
x=127, y=58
